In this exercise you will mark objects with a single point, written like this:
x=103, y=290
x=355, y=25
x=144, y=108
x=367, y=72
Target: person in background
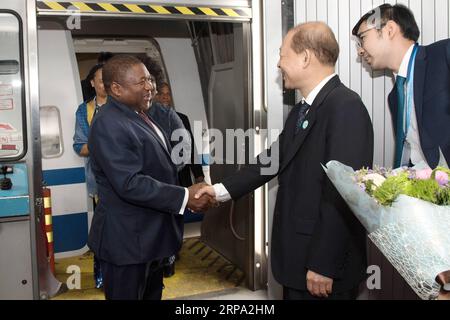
x=420, y=100
x=86, y=87
x=84, y=116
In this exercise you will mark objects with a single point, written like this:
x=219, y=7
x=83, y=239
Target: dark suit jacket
x=431, y=99
x=169, y=121
x=137, y=218
x=197, y=171
x=166, y=118
x=313, y=228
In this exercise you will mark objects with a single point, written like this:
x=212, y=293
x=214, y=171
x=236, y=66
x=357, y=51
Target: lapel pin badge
x=305, y=124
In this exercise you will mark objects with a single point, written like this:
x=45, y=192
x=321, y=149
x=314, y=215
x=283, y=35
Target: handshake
x=201, y=197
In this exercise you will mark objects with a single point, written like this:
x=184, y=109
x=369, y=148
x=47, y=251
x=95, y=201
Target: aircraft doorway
x=208, y=66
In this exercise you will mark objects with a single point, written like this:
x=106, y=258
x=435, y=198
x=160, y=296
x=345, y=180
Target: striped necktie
x=147, y=120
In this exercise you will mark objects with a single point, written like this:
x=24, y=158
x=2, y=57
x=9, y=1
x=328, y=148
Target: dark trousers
x=133, y=282
x=294, y=294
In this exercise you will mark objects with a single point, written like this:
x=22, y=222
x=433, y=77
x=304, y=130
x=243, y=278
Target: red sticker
x=6, y=126
x=8, y=147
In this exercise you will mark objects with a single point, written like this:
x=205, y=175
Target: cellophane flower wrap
x=406, y=213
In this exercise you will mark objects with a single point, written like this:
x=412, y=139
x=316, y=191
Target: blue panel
x=205, y=159
x=15, y=202
x=190, y=217
x=14, y=207
x=70, y=231
x=60, y=177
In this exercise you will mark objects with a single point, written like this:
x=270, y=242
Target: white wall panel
x=442, y=19
x=344, y=31
x=433, y=20
x=333, y=21
x=322, y=10
x=355, y=66
x=428, y=21
x=300, y=11
x=416, y=7
x=311, y=10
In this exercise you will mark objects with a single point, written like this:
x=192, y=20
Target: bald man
x=318, y=246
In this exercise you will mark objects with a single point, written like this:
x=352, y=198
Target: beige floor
x=199, y=271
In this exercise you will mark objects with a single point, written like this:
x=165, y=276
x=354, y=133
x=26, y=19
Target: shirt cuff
x=185, y=201
x=221, y=192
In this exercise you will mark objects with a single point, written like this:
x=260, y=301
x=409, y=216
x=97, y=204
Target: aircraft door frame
x=246, y=11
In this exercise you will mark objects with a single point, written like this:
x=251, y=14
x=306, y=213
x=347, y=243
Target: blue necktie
x=400, y=132
x=303, y=108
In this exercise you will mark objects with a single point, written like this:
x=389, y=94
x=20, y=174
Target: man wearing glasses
x=138, y=221
x=420, y=100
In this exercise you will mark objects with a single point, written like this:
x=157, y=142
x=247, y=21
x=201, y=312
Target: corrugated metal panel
x=433, y=18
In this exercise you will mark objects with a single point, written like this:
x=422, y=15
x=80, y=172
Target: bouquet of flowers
x=407, y=215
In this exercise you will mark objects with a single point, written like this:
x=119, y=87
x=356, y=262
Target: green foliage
x=443, y=197
x=407, y=182
x=426, y=190
x=392, y=188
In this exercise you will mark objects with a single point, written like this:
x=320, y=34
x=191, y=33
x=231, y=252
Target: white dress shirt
x=412, y=149
x=221, y=192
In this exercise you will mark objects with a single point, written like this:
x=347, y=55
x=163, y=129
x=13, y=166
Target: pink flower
x=424, y=174
x=441, y=178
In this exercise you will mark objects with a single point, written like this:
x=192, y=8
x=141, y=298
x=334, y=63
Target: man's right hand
x=200, y=202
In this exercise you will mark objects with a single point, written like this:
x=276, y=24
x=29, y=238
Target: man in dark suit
x=420, y=101
x=318, y=246
x=139, y=218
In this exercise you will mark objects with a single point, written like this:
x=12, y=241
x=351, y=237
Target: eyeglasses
x=142, y=83
x=145, y=81
x=360, y=40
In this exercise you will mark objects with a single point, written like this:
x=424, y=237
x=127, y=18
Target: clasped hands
x=201, y=197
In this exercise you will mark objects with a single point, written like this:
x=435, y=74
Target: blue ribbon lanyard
x=409, y=91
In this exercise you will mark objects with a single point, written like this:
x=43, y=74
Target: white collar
x=403, y=70
x=313, y=94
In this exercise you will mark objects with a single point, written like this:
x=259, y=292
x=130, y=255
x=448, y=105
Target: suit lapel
x=419, y=82
x=291, y=149
x=136, y=118
x=166, y=139
x=144, y=124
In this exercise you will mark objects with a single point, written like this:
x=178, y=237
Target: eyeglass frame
x=359, y=41
x=142, y=83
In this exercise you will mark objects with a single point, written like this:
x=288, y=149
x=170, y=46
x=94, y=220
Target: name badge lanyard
x=409, y=92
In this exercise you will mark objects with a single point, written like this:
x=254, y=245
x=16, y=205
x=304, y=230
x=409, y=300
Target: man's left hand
x=318, y=285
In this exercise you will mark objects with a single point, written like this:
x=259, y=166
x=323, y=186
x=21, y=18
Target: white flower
x=376, y=178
